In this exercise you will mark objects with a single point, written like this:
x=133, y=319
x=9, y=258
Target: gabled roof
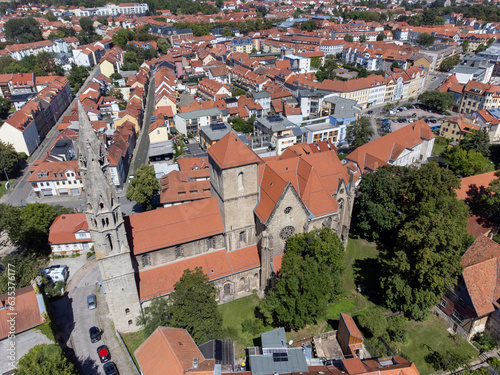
x=381, y=151
x=474, y=184
x=170, y=351
x=160, y=281
x=170, y=226
x=230, y=152
x=29, y=309
x=64, y=227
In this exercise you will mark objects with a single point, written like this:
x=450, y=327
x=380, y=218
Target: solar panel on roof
x=280, y=357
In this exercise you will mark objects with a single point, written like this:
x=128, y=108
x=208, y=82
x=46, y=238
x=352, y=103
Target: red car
x=103, y=353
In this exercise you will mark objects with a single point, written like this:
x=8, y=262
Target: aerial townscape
x=251, y=187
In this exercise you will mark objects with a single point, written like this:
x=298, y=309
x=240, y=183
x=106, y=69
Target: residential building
x=190, y=122
x=477, y=96
x=456, y=128
x=20, y=131
x=264, y=99
x=299, y=64
x=209, y=135
x=242, y=45
x=410, y=145
x=281, y=132
x=332, y=47
x=69, y=234
x=471, y=307
x=439, y=52
x=212, y=90
x=171, y=33
x=58, y=178
x=113, y=10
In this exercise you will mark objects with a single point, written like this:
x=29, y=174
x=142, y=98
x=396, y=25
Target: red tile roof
x=380, y=151
x=474, y=184
x=161, y=280
x=169, y=351
x=174, y=225
x=351, y=326
x=28, y=309
x=64, y=227
x=230, y=152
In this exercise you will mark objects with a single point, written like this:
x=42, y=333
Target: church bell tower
x=107, y=228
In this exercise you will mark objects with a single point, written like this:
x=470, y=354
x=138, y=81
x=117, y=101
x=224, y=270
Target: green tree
x=45, y=360
x=115, y=76
x=240, y=125
x=178, y=148
x=49, y=16
x=490, y=42
x=226, y=32
x=487, y=203
x=380, y=37
x=87, y=34
x=348, y=38
x=77, y=76
x=144, y=187
x=377, y=209
x=194, y=306
x=308, y=25
x=359, y=132
x=116, y=93
x=424, y=258
x=9, y=159
x=466, y=163
x=308, y=280
x=157, y=314
x=479, y=141
x=163, y=45
x=362, y=38
x=27, y=268
x=425, y=40
x=122, y=36
x=481, y=48
x=28, y=227
x=395, y=65
x=23, y=30
x=465, y=46
x=373, y=322
x=103, y=20
x=449, y=63
x=437, y=101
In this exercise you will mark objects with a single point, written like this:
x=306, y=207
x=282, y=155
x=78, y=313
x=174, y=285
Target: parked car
x=91, y=302
x=369, y=112
x=186, y=141
x=103, y=353
x=433, y=78
x=95, y=334
x=110, y=368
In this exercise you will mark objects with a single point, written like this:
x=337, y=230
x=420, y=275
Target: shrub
x=373, y=323
x=397, y=328
x=495, y=363
x=253, y=326
x=485, y=341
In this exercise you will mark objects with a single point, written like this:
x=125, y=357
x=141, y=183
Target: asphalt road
x=74, y=320
x=141, y=149
x=19, y=192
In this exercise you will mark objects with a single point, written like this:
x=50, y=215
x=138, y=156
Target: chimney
x=195, y=362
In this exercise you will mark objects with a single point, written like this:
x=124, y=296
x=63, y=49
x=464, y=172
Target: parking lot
x=404, y=117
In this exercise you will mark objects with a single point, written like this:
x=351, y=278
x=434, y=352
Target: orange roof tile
x=230, y=152
x=174, y=225
x=26, y=308
x=64, y=227
x=474, y=184
x=161, y=280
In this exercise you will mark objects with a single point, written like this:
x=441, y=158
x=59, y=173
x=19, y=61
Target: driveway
x=74, y=320
x=24, y=343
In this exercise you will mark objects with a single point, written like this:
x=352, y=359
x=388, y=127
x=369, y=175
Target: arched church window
x=227, y=289
x=110, y=242
x=243, y=238
x=240, y=180
x=127, y=311
x=288, y=210
x=287, y=232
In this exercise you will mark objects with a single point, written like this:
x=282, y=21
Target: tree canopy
x=241, y=125
x=45, y=360
x=194, y=306
x=27, y=269
x=423, y=256
x=9, y=159
x=425, y=40
x=144, y=187
x=479, y=141
x=449, y=63
x=23, y=30
x=466, y=163
x=77, y=76
x=308, y=280
x=437, y=101
x=28, y=227
x=359, y=132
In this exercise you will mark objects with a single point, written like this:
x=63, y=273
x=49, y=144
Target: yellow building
x=128, y=117
x=456, y=128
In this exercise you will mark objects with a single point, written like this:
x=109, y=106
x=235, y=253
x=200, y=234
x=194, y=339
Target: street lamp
x=7, y=184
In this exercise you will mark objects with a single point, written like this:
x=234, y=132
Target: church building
x=237, y=235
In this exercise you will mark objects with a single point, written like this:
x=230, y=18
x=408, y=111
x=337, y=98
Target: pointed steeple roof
x=230, y=152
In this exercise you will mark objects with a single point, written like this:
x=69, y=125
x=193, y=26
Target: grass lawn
x=357, y=249
x=233, y=314
x=46, y=329
x=440, y=144
x=132, y=341
x=3, y=190
x=432, y=333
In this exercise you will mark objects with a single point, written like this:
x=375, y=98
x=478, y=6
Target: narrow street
x=74, y=320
